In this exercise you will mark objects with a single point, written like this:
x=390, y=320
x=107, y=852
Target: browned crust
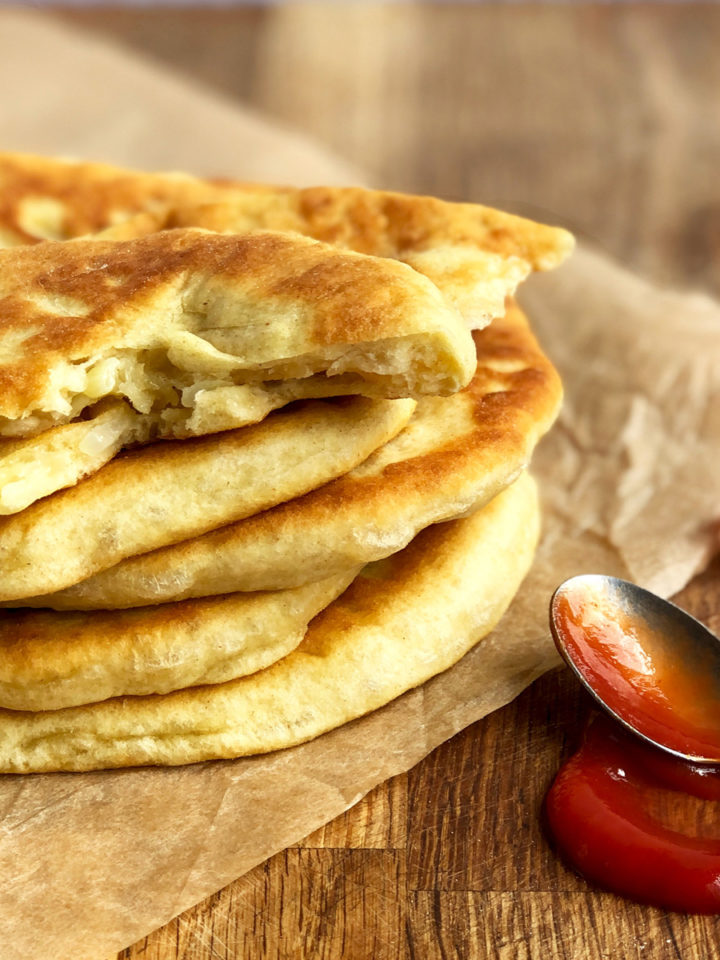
x=94, y=195
x=116, y=285
x=379, y=222
x=512, y=401
x=376, y=222
x=507, y=423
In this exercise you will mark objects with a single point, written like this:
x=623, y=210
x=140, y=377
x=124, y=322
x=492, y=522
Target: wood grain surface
x=601, y=117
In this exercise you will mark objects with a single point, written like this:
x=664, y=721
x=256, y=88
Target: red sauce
x=624, y=813
x=601, y=811
x=633, y=675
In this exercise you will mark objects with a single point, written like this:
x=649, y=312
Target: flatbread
x=405, y=620
x=171, y=491
x=54, y=660
x=455, y=455
x=476, y=255
x=35, y=467
x=203, y=331
x=55, y=198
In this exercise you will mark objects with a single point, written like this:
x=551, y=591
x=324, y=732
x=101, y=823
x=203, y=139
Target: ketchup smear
x=602, y=808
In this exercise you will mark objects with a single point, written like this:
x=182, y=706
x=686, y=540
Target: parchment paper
x=93, y=862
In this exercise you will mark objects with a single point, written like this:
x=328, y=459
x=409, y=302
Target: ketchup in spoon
x=657, y=671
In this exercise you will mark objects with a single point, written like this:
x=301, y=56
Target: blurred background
x=600, y=116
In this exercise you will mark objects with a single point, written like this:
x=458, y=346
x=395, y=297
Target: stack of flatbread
x=263, y=455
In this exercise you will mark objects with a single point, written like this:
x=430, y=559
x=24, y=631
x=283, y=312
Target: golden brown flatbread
x=51, y=660
x=455, y=454
x=404, y=620
x=203, y=331
x=476, y=255
x=168, y=492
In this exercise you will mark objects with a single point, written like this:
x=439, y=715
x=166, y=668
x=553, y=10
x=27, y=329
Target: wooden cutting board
x=603, y=117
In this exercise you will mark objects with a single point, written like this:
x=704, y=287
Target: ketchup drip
x=601, y=807
x=599, y=811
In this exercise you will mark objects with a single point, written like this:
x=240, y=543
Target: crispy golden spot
x=43, y=198
x=95, y=196
x=92, y=299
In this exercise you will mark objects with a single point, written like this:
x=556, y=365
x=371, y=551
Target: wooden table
x=601, y=117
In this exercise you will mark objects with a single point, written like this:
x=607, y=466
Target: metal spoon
x=648, y=663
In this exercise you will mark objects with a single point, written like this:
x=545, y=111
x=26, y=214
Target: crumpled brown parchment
x=92, y=862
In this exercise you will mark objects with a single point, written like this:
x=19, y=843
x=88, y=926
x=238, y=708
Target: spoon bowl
x=649, y=664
